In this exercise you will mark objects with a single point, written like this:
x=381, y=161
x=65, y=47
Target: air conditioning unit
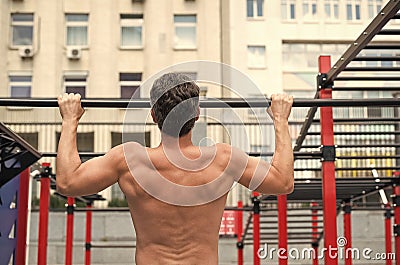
x=26, y=52
x=74, y=53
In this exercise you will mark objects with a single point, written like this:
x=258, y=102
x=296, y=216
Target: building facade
x=107, y=48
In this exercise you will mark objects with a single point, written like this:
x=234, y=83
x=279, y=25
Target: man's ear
x=198, y=113
x=153, y=116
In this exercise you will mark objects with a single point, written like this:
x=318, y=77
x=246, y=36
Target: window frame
x=374, y=5
x=76, y=24
x=185, y=25
x=332, y=4
x=353, y=4
x=75, y=75
x=286, y=5
x=130, y=83
x=131, y=22
x=22, y=83
x=310, y=4
x=21, y=23
x=264, y=66
x=255, y=10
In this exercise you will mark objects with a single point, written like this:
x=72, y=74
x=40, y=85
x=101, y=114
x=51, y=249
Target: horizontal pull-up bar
x=206, y=103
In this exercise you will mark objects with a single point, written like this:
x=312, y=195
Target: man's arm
x=277, y=178
x=73, y=177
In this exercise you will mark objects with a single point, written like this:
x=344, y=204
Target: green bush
x=118, y=203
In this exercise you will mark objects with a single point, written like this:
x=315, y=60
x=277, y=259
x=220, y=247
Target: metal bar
x=388, y=232
x=314, y=231
x=368, y=78
x=368, y=157
x=396, y=207
x=347, y=232
x=389, y=32
x=357, y=120
x=358, y=133
x=382, y=47
x=328, y=169
x=388, y=12
x=371, y=69
x=43, y=217
x=256, y=228
x=282, y=228
x=70, y=231
x=210, y=103
x=397, y=16
x=22, y=224
x=376, y=58
x=88, y=234
x=114, y=246
x=366, y=88
x=357, y=146
x=239, y=229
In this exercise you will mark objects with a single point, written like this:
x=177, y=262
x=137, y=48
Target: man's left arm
x=75, y=178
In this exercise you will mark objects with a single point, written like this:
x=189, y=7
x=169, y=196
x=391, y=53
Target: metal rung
x=382, y=47
x=357, y=133
x=293, y=221
x=366, y=88
x=371, y=69
x=356, y=120
x=389, y=32
x=397, y=16
x=368, y=78
x=377, y=58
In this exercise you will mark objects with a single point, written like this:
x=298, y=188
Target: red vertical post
x=256, y=228
x=388, y=232
x=70, y=231
x=22, y=221
x=88, y=239
x=328, y=164
x=282, y=228
x=239, y=232
x=347, y=233
x=396, y=225
x=44, y=213
x=314, y=231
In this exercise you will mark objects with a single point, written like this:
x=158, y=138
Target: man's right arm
x=277, y=177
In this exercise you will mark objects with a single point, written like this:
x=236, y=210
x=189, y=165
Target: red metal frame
x=70, y=231
x=347, y=233
x=239, y=230
x=328, y=169
x=22, y=221
x=388, y=232
x=88, y=239
x=256, y=228
x=396, y=192
x=314, y=231
x=282, y=228
x=43, y=217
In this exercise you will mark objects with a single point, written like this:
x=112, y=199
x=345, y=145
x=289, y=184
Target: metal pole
x=70, y=231
x=328, y=167
x=207, y=103
x=388, y=232
x=256, y=227
x=44, y=213
x=314, y=230
x=396, y=225
x=282, y=228
x=239, y=229
x=22, y=221
x=88, y=239
x=347, y=232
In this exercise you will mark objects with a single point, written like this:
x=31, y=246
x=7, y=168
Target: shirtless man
x=168, y=230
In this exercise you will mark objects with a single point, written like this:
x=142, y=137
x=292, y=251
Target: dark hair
x=175, y=99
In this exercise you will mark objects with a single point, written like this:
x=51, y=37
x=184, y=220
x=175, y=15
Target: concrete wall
x=116, y=228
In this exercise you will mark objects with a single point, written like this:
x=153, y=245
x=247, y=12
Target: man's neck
x=183, y=141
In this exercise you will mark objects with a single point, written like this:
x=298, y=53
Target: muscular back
x=167, y=233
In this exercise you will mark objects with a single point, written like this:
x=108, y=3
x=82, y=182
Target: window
x=22, y=29
x=75, y=83
x=310, y=9
x=20, y=85
x=131, y=30
x=256, y=56
x=288, y=9
x=255, y=8
x=130, y=84
x=77, y=29
x=374, y=7
x=31, y=138
x=353, y=9
x=185, y=31
x=332, y=9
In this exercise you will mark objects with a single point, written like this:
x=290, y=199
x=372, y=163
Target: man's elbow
x=63, y=188
x=289, y=188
